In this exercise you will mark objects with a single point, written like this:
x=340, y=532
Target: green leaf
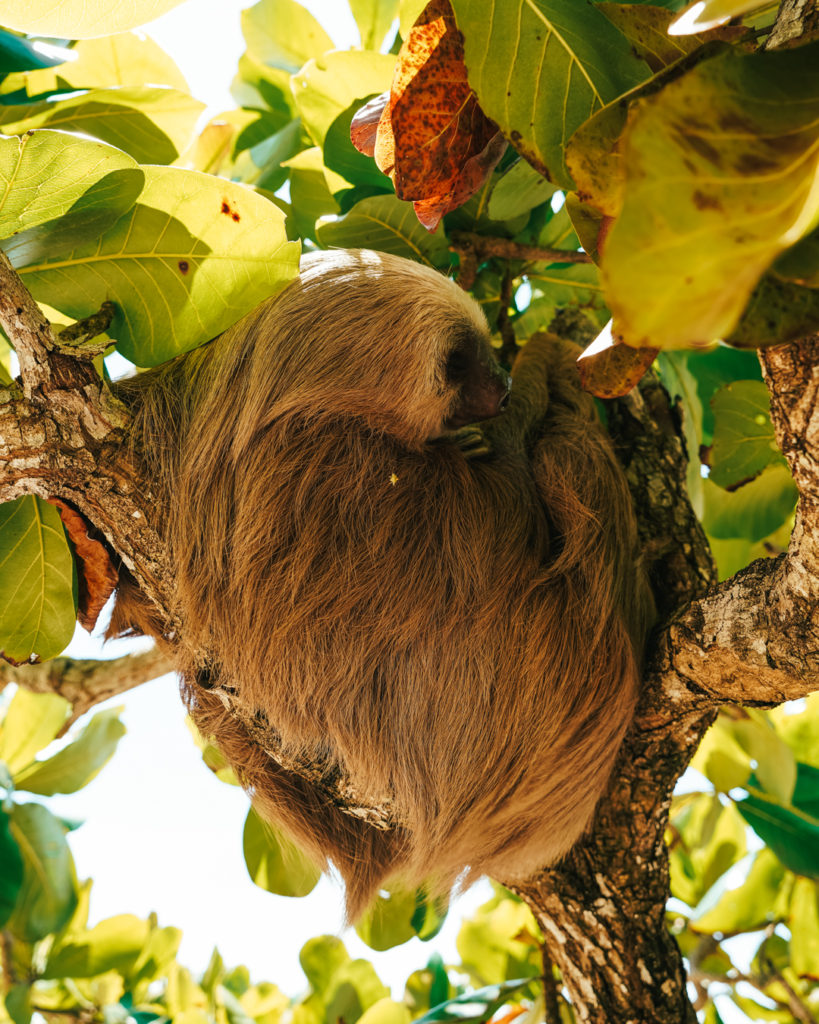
x=499, y=942
x=18, y=1003
x=310, y=194
x=388, y=922
x=753, y=510
x=78, y=19
x=71, y=166
x=389, y=225
x=76, y=764
x=540, y=68
x=193, y=255
x=721, y=759
x=752, y=904
x=744, y=442
x=575, y=285
x=263, y=88
x=327, y=86
x=806, y=792
x=374, y=19
x=478, y=1005
x=114, y=60
x=49, y=893
x=5, y=362
x=385, y=1011
x=282, y=34
x=519, y=188
x=355, y=988
x=720, y=179
x=17, y=54
x=31, y=722
x=341, y=156
x=800, y=263
x=274, y=862
x=777, y=312
x=792, y=835
x=320, y=959
x=11, y=869
x=156, y=956
x=776, y=766
x=803, y=922
x=707, y=839
x=38, y=581
x=800, y=731
x=113, y=945
x=152, y=124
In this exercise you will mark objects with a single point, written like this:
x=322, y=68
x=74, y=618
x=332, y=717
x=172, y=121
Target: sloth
x=410, y=576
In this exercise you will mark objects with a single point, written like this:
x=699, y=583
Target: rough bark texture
x=751, y=640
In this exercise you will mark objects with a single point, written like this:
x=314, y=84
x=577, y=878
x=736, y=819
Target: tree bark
x=752, y=639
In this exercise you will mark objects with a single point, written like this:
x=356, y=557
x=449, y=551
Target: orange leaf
x=609, y=368
x=438, y=143
x=97, y=577
x=364, y=126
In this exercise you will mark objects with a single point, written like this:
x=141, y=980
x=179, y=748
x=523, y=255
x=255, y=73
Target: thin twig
x=484, y=246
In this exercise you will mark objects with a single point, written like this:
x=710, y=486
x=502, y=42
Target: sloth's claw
x=471, y=440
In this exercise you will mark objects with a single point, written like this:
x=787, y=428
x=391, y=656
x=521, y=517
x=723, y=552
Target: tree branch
x=84, y=682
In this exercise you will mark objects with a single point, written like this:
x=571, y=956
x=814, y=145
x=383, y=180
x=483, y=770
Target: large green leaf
x=753, y=510
x=320, y=959
x=122, y=59
x=328, y=85
x=479, y=1005
x=31, y=722
x=113, y=945
x=398, y=916
x=389, y=225
x=791, y=834
x=38, y=581
x=800, y=731
x=76, y=764
x=71, y=165
x=707, y=839
x=274, y=862
x=153, y=124
x=803, y=922
x=18, y=54
x=569, y=284
x=49, y=893
x=499, y=942
x=374, y=19
x=751, y=905
x=194, y=255
x=282, y=34
x=540, y=68
x=385, y=1011
x=720, y=172
x=79, y=19
x=520, y=188
x=11, y=868
x=744, y=442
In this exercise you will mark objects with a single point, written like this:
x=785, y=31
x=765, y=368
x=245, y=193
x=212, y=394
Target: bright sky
x=161, y=832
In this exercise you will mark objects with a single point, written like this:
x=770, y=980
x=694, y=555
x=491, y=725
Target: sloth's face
x=477, y=387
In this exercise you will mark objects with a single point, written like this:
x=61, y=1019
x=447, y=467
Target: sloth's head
x=368, y=334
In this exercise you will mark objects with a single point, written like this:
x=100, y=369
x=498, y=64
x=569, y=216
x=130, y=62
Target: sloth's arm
x=544, y=374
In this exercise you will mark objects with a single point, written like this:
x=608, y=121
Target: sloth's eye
x=457, y=364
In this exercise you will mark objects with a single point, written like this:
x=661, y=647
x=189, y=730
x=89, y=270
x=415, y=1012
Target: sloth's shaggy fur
x=460, y=635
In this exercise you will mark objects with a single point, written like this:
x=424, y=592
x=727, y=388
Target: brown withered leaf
x=364, y=126
x=434, y=140
x=609, y=368
x=97, y=577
